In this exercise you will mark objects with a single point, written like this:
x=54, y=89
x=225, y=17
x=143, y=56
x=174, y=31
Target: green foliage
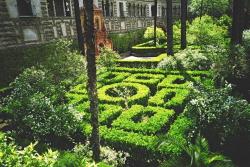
x=150, y=80
x=217, y=114
x=143, y=119
x=137, y=93
x=36, y=107
x=215, y=8
x=112, y=77
x=176, y=81
x=179, y=131
x=246, y=41
x=204, y=31
x=170, y=98
x=12, y=155
x=199, y=155
x=123, y=42
x=149, y=34
x=142, y=63
x=107, y=58
x=191, y=59
x=225, y=21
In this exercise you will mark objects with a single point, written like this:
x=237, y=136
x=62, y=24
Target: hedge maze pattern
x=138, y=107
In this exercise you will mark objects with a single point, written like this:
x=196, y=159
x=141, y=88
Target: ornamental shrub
x=214, y=8
x=246, y=41
x=35, y=107
x=191, y=59
x=107, y=58
x=13, y=155
x=147, y=120
x=218, y=115
x=125, y=94
x=149, y=33
x=204, y=31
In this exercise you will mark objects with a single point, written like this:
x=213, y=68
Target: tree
x=155, y=21
x=91, y=70
x=183, y=24
x=237, y=26
x=169, y=28
x=214, y=8
x=78, y=26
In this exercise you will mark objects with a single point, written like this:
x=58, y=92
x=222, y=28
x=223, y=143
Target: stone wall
x=18, y=30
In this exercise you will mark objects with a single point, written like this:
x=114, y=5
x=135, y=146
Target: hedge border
x=154, y=124
x=141, y=96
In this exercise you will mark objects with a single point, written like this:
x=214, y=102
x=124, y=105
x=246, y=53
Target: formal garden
x=155, y=109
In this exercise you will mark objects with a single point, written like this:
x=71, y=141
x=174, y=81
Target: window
x=59, y=8
x=107, y=8
x=111, y=9
x=50, y=7
x=121, y=9
x=24, y=7
x=129, y=9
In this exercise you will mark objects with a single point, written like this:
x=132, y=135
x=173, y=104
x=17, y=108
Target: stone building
x=126, y=15
x=25, y=22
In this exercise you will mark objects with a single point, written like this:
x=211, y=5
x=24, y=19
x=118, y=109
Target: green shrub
x=107, y=58
x=147, y=120
x=112, y=77
x=222, y=114
x=205, y=31
x=170, y=98
x=189, y=59
x=35, y=107
x=246, y=41
x=179, y=131
x=215, y=8
x=149, y=34
x=13, y=155
x=150, y=80
x=142, y=63
x=111, y=94
x=176, y=81
x=68, y=159
x=124, y=41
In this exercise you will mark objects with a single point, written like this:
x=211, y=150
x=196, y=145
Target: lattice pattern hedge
x=155, y=99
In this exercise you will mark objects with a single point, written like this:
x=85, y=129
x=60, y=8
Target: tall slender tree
x=155, y=21
x=169, y=28
x=237, y=26
x=91, y=70
x=183, y=24
x=79, y=27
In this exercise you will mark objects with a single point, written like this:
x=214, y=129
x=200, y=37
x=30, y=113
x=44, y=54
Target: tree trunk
x=183, y=24
x=155, y=21
x=91, y=68
x=169, y=28
x=79, y=27
x=237, y=28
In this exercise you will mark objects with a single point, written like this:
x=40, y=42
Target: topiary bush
x=113, y=94
x=170, y=98
x=146, y=120
x=160, y=34
x=112, y=77
x=150, y=80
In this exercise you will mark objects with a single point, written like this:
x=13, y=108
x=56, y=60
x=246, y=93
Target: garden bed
x=138, y=109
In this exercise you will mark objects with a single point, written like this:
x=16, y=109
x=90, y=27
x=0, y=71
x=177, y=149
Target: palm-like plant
x=198, y=155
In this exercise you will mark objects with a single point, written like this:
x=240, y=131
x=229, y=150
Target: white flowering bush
x=192, y=59
x=35, y=107
x=218, y=115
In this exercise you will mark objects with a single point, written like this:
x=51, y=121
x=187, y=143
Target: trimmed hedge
x=139, y=70
x=147, y=120
x=145, y=51
x=170, y=98
x=113, y=77
x=146, y=63
x=150, y=80
x=140, y=94
x=176, y=81
x=76, y=98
